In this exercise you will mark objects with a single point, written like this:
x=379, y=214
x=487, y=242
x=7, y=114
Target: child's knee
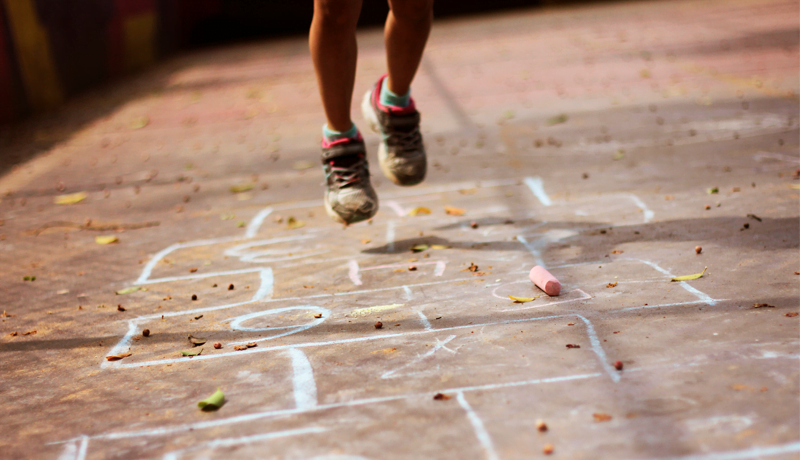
x=412, y=11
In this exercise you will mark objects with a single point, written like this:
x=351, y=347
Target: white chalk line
x=424, y=320
x=280, y=412
x=648, y=214
x=437, y=347
x=697, y=293
x=477, y=426
x=536, y=186
x=305, y=387
x=228, y=442
x=754, y=452
x=353, y=272
x=408, y=294
x=597, y=348
x=537, y=257
x=396, y=208
x=390, y=236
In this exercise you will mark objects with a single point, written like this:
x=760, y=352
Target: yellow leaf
x=453, y=211
x=293, y=223
x=299, y=165
x=421, y=210
x=794, y=186
x=107, y=239
x=72, y=198
x=141, y=122
x=241, y=188
x=439, y=246
x=117, y=357
x=522, y=299
x=690, y=277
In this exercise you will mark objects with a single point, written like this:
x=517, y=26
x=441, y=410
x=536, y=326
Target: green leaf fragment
x=241, y=188
x=191, y=352
x=557, y=119
x=419, y=247
x=213, y=402
x=439, y=246
x=713, y=190
x=690, y=277
x=128, y=290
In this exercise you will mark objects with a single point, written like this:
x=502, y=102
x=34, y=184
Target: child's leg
x=334, y=52
x=406, y=32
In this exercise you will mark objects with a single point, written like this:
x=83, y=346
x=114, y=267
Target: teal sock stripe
x=390, y=98
x=332, y=135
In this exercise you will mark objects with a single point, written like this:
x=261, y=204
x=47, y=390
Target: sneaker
x=401, y=153
x=350, y=197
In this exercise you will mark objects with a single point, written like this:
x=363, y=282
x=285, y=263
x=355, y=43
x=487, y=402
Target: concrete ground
x=584, y=139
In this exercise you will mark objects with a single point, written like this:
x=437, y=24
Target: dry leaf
x=106, y=239
x=453, y=211
x=140, y=122
x=418, y=211
x=318, y=315
x=791, y=314
x=573, y=345
x=72, y=198
x=617, y=251
x=293, y=223
x=610, y=285
x=763, y=305
x=794, y=186
x=441, y=397
x=439, y=246
x=128, y=290
x=251, y=344
x=522, y=299
x=557, y=119
x=366, y=241
x=468, y=191
x=472, y=268
x=690, y=277
x=197, y=340
x=600, y=417
x=240, y=347
x=241, y=188
x=33, y=332
x=213, y=402
x=299, y=165
x=118, y=357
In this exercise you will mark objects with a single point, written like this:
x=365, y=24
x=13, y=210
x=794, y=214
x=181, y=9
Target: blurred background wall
x=53, y=49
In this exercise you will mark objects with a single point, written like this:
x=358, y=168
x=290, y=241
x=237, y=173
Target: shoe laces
x=409, y=141
x=346, y=175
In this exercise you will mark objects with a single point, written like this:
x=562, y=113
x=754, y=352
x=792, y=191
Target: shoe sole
x=336, y=217
x=369, y=115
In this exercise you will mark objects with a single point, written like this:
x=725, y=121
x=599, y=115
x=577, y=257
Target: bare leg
x=406, y=32
x=334, y=51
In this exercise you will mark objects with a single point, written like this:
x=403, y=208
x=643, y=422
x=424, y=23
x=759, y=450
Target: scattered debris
x=439, y=246
x=28, y=278
x=241, y=188
x=120, y=308
x=619, y=155
x=306, y=286
x=300, y=165
x=318, y=315
x=698, y=249
x=523, y=299
x=13, y=334
x=217, y=345
x=88, y=225
x=763, y=305
x=791, y=314
x=128, y=290
x=472, y=268
x=548, y=449
x=745, y=226
x=366, y=241
x=473, y=224
x=708, y=207
x=198, y=317
x=378, y=325
x=140, y=122
x=213, y=402
x=573, y=345
x=690, y=277
x=240, y=347
x=72, y=198
x=193, y=270
x=601, y=417
x=611, y=285
x=190, y=353
x=712, y=190
x=106, y=239
x=117, y=357
x=617, y=251
x=570, y=324
x=736, y=189
x=251, y=344
x=753, y=216
x=6, y=315
x=230, y=287
x=419, y=211
x=558, y=119
x=146, y=333
x=194, y=296
x=618, y=365
x=453, y=211
x=540, y=425
x=441, y=397
x=196, y=341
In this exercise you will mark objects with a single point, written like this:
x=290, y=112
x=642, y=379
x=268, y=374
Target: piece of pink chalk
x=546, y=282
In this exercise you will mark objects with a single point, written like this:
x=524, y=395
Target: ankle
x=332, y=135
x=389, y=98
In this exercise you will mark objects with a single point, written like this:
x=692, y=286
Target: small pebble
x=698, y=249
x=473, y=224
x=120, y=308
x=217, y=345
x=378, y=325
x=230, y=287
x=548, y=449
x=194, y=296
x=541, y=426
x=618, y=365
x=146, y=333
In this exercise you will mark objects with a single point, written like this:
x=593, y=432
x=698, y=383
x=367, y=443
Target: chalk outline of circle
x=237, y=321
x=494, y=291
x=255, y=256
